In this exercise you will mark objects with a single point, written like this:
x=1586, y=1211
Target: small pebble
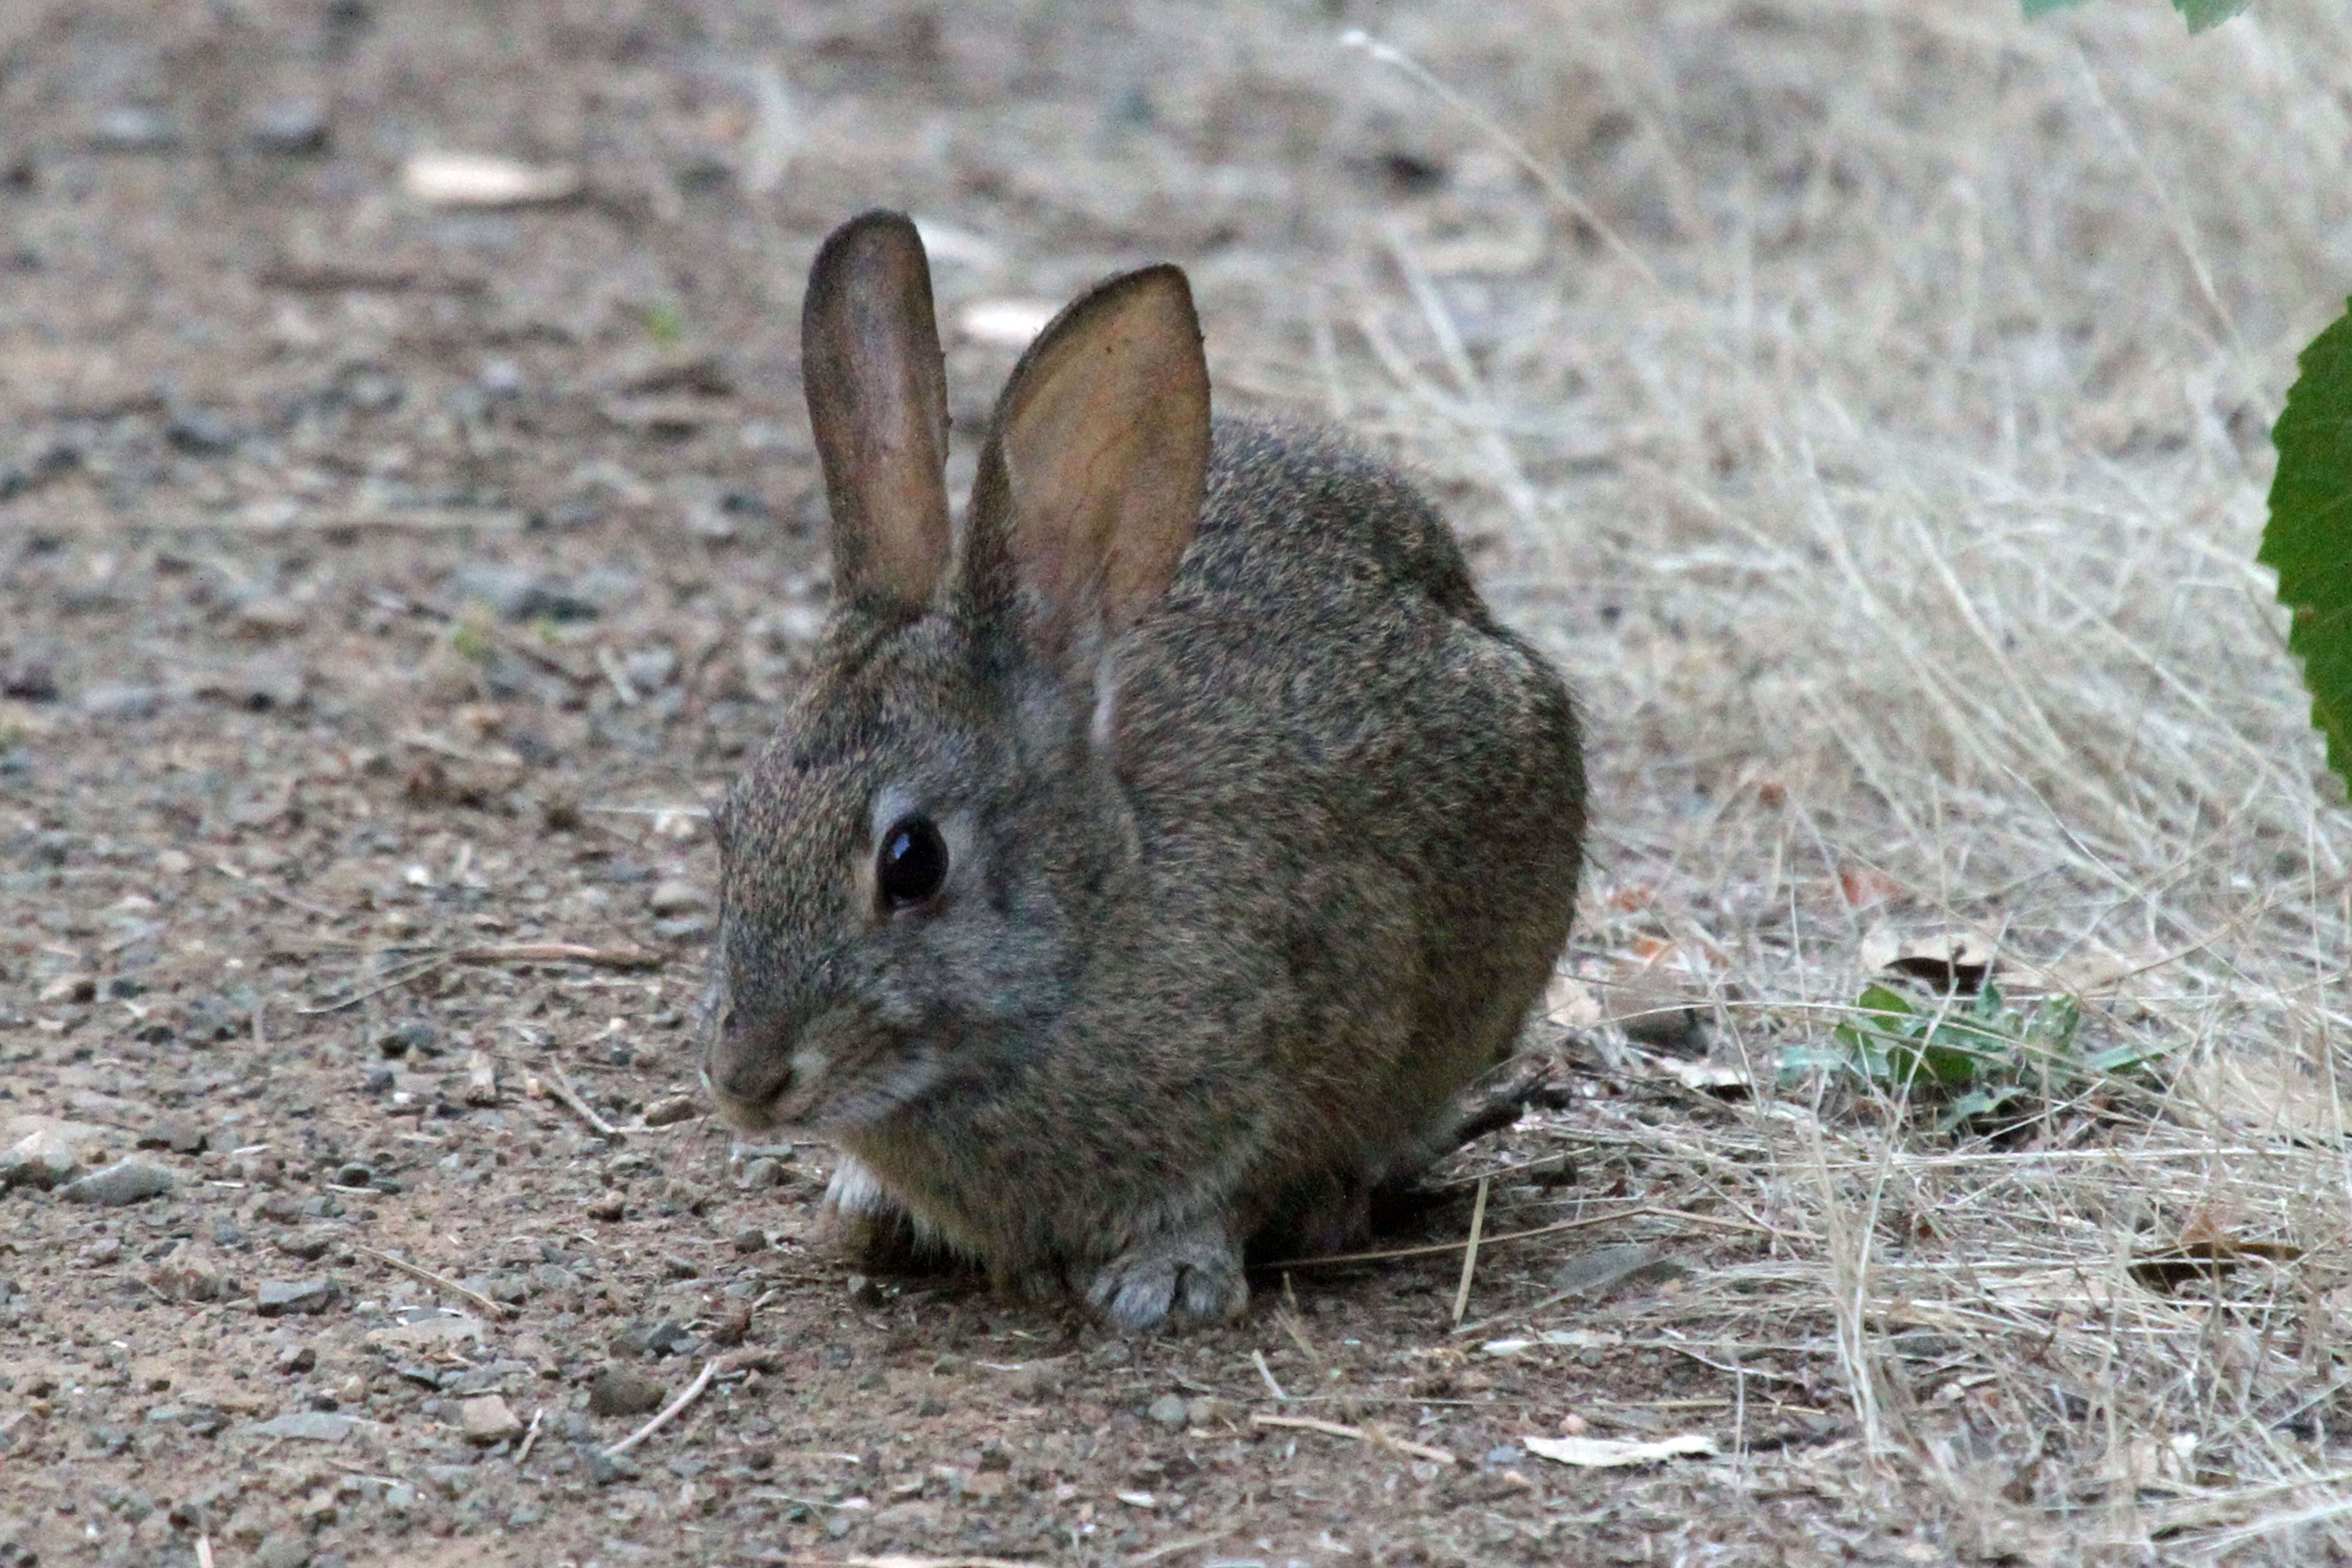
x=106, y=1249
x=675, y=896
x=605, y=1206
x=290, y=127
x=487, y=1419
x=276, y=1297
x=621, y=1390
x=750, y=1239
x=297, y=1359
x=136, y=128
x=41, y=1159
x=1169, y=1410
x=124, y=1181
x=673, y=1107
x=282, y=1549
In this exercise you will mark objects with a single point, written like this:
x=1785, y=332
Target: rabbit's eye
x=912, y=864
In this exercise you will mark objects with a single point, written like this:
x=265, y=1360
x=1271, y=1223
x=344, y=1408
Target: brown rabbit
x=1151, y=859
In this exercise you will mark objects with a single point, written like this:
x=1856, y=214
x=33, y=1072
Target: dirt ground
x=384, y=586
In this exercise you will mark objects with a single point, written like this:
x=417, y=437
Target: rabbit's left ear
x=1090, y=484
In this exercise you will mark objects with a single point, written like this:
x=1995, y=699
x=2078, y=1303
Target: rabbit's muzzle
x=749, y=1074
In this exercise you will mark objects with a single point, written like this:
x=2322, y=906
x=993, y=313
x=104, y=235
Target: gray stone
x=605, y=1469
x=290, y=127
x=650, y=670
x=621, y=1390
x=517, y=594
x=124, y=701
x=276, y=1298
x=1169, y=1410
x=282, y=1549
x=409, y=1034
x=200, y=432
x=307, y=1425
x=136, y=128
x=41, y=1159
x=124, y=1181
x=675, y=896
x=487, y=1419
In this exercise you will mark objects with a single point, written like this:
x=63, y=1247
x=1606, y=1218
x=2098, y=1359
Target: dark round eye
x=912, y=864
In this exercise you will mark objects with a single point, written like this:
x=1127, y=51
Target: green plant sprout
x=1979, y=1059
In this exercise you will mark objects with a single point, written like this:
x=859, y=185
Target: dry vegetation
x=1933, y=359
x=1866, y=403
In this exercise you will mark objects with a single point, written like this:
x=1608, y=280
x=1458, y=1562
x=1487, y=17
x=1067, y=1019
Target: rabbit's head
x=914, y=866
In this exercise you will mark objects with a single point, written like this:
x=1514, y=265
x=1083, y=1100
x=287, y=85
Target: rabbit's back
x=1336, y=754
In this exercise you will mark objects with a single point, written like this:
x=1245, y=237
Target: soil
x=386, y=586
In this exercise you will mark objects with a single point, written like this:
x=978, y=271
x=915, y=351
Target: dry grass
x=1873, y=417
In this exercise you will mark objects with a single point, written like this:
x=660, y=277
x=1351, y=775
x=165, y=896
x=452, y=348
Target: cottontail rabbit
x=1151, y=857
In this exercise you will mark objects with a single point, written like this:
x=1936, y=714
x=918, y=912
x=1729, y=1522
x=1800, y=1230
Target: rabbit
x=1152, y=856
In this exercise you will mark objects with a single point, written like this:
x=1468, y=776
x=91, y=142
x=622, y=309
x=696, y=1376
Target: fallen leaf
x=2208, y=1259
x=1955, y=959
x=1571, y=1003
x=1861, y=886
x=1609, y=1452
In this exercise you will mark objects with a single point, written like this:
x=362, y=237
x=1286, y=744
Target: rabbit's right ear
x=1090, y=482
x=877, y=401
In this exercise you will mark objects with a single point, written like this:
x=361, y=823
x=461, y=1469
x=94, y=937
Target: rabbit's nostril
x=746, y=1073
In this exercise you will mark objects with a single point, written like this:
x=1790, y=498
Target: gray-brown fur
x=1207, y=973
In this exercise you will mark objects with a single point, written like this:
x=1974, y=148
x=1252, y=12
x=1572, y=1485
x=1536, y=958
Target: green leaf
x=2204, y=13
x=2308, y=540
x=1976, y=1103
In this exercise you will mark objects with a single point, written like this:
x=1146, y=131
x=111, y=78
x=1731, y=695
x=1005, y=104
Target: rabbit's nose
x=746, y=1071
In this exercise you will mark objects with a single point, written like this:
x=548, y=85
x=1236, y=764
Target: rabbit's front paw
x=1192, y=1274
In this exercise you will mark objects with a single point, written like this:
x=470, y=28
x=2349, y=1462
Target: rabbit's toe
x=1194, y=1275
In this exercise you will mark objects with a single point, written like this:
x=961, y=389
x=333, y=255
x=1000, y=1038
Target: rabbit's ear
x=1090, y=484
x=878, y=403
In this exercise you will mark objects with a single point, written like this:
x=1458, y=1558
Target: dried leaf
x=2207, y=1259
x=1862, y=886
x=1954, y=959
x=1609, y=1452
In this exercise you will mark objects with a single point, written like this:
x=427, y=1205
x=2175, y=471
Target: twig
x=896, y=1561
x=622, y=958
x=1266, y=1372
x=610, y=663
x=495, y=1309
x=418, y=970
x=1435, y=1248
x=558, y=953
x=1470, y=1252
x=667, y=1413
x=530, y=1437
x=1373, y=1435
x=204, y=1551
x=561, y=1086
x=1170, y=1550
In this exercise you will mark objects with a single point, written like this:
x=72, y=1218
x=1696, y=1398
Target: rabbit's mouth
x=763, y=1085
